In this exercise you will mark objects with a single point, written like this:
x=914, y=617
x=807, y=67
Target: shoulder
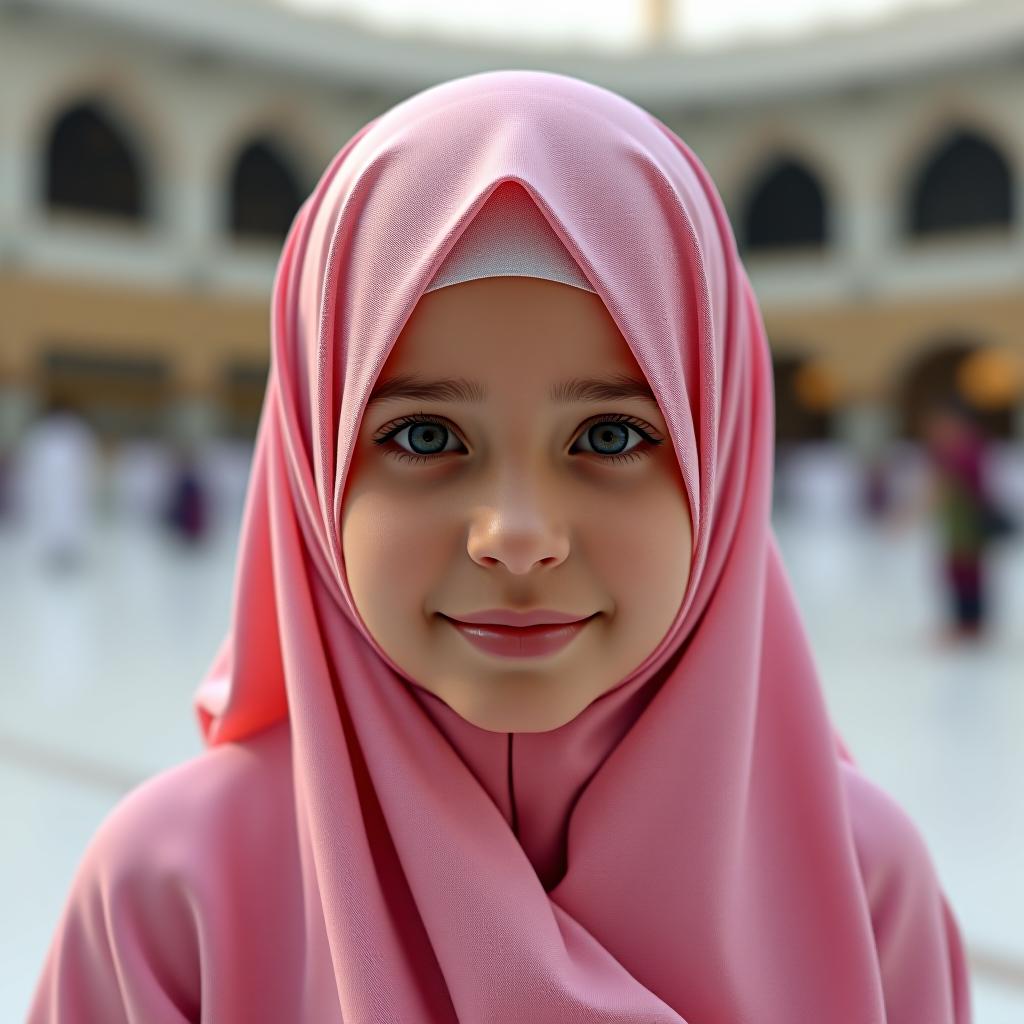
x=889, y=845
x=921, y=955
x=173, y=888
x=180, y=824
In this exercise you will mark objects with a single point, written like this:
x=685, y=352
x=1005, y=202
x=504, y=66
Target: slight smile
x=520, y=641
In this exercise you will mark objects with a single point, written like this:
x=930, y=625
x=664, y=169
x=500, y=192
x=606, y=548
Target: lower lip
x=520, y=642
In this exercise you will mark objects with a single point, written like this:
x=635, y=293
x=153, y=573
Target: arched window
x=91, y=165
x=964, y=183
x=785, y=208
x=265, y=193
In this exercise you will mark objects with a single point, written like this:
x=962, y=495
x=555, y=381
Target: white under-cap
x=509, y=237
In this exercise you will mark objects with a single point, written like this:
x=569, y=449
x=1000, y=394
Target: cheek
x=645, y=558
x=393, y=554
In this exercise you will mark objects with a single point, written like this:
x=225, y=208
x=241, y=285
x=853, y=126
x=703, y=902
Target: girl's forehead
x=512, y=342
x=503, y=322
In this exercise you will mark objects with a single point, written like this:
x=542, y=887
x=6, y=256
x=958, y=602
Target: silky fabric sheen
x=695, y=847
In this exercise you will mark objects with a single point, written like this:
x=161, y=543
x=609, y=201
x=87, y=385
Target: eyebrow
x=458, y=389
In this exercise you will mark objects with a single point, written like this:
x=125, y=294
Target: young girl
x=517, y=719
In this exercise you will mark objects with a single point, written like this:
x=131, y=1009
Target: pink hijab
x=696, y=846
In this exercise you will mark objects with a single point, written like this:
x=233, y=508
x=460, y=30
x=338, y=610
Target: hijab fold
x=682, y=850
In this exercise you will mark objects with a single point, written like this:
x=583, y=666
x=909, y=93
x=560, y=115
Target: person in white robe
x=58, y=463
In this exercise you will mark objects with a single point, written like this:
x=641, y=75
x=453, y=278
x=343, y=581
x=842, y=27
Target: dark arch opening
x=91, y=165
x=796, y=419
x=933, y=377
x=265, y=193
x=964, y=183
x=785, y=208
x=243, y=388
x=120, y=394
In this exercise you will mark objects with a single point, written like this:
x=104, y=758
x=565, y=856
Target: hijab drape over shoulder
x=696, y=846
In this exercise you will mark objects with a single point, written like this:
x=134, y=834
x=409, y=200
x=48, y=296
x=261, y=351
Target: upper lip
x=510, y=617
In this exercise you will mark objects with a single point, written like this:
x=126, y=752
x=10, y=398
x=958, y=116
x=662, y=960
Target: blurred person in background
x=185, y=513
x=58, y=466
x=967, y=516
x=5, y=475
x=876, y=497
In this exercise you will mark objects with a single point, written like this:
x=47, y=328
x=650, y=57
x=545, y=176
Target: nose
x=519, y=531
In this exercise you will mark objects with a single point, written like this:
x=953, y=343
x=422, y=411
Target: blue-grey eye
x=611, y=437
x=608, y=438
x=428, y=438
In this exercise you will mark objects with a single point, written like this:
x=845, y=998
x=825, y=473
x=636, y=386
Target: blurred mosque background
x=153, y=154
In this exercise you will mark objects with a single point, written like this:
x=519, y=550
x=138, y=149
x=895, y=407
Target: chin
x=516, y=720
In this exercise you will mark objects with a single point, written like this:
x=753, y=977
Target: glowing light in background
x=618, y=26
x=817, y=387
x=991, y=378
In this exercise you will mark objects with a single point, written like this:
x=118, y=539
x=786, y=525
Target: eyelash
x=391, y=429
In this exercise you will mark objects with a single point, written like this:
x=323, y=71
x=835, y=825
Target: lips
x=520, y=641
x=511, y=617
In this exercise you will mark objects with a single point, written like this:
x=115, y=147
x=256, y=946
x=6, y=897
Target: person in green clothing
x=957, y=450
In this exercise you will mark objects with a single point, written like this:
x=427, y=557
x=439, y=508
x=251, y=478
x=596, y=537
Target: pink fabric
x=696, y=846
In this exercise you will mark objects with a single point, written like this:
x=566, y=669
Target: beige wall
x=868, y=346
x=871, y=346
x=197, y=335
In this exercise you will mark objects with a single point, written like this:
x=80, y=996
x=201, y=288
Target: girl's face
x=514, y=500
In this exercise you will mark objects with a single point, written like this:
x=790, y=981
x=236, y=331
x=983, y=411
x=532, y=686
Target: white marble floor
x=97, y=672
